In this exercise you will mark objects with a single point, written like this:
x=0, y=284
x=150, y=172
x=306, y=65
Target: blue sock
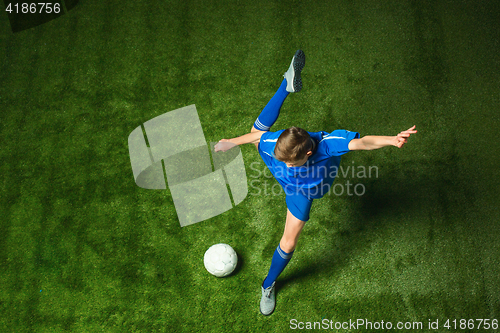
x=271, y=112
x=278, y=264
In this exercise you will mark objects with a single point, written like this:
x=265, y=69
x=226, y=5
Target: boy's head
x=293, y=147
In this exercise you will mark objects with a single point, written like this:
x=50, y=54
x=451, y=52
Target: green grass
x=83, y=249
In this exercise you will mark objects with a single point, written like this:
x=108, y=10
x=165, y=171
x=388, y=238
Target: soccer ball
x=220, y=260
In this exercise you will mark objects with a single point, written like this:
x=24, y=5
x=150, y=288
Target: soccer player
x=304, y=163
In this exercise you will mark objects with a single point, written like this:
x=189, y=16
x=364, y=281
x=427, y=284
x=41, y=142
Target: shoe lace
x=267, y=292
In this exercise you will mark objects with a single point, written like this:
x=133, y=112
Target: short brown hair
x=292, y=145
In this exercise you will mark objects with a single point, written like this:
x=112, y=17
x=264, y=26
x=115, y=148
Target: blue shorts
x=299, y=205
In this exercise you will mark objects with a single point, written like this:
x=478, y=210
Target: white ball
x=220, y=260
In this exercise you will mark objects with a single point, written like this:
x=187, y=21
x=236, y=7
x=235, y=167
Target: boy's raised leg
x=292, y=83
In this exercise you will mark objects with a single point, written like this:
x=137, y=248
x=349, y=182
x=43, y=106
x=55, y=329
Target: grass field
x=84, y=249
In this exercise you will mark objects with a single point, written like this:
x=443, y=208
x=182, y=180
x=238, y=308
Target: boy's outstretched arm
x=226, y=144
x=371, y=142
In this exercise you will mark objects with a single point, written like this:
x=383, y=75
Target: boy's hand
x=224, y=145
x=402, y=138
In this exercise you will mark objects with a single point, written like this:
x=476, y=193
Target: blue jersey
x=315, y=178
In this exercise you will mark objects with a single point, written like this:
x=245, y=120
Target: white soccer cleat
x=292, y=76
x=268, y=300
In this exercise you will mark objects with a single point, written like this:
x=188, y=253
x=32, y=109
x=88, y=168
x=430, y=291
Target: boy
x=304, y=163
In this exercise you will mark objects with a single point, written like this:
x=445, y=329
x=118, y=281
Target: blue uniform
x=312, y=180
